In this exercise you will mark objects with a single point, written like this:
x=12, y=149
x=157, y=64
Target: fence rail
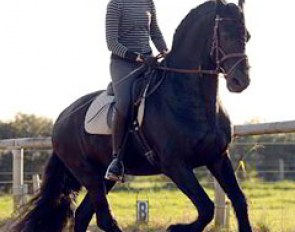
x=25, y=143
x=265, y=128
x=17, y=147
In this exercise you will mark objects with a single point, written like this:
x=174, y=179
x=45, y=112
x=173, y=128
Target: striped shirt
x=130, y=24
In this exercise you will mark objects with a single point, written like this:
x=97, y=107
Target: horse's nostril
x=237, y=85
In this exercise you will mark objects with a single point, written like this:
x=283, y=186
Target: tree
x=26, y=125
x=5, y=130
x=31, y=126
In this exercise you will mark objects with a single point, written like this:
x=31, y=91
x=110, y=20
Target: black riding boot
x=115, y=171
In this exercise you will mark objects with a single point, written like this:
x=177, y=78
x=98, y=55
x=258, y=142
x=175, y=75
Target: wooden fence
x=18, y=146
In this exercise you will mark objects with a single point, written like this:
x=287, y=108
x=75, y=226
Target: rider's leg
x=115, y=171
x=122, y=89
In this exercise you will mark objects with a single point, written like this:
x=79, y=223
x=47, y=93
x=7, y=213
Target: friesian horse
x=184, y=123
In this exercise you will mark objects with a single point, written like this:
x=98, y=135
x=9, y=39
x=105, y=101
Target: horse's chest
x=215, y=143
x=211, y=145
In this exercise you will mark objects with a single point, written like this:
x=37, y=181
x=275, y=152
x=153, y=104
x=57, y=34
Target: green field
x=271, y=206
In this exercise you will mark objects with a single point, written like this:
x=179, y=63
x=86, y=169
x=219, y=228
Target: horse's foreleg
x=223, y=171
x=186, y=181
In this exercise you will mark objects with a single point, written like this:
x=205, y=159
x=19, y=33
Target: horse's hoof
x=192, y=227
x=172, y=228
x=179, y=228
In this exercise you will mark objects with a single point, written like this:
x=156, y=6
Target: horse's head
x=228, y=46
x=213, y=37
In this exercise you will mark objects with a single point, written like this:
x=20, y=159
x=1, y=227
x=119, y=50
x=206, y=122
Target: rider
x=129, y=27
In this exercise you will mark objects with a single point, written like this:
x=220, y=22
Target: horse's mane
x=191, y=17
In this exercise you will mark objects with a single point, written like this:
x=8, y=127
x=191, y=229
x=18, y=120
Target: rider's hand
x=164, y=53
x=150, y=61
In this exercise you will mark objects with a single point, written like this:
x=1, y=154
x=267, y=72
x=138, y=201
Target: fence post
x=36, y=183
x=227, y=215
x=220, y=206
x=281, y=169
x=18, y=187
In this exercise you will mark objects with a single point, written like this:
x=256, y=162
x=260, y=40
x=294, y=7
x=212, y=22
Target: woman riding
x=130, y=24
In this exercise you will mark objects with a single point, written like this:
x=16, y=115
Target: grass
x=271, y=206
x=5, y=207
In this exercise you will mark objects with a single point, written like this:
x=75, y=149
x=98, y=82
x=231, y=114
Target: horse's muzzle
x=238, y=81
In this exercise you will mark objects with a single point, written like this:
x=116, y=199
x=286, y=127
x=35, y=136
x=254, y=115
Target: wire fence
x=266, y=174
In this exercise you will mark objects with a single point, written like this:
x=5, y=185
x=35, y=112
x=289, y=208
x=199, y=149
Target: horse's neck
x=193, y=94
x=191, y=46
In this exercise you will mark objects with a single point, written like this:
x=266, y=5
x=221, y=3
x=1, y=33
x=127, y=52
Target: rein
x=189, y=71
x=220, y=56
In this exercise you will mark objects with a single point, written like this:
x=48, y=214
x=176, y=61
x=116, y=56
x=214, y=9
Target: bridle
x=217, y=54
x=220, y=55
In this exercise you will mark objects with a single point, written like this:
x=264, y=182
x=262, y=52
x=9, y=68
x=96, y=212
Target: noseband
x=217, y=53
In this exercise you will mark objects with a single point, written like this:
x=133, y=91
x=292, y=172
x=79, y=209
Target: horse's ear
x=241, y=4
x=223, y=2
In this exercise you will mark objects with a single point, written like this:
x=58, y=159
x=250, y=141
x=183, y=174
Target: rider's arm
x=156, y=34
x=114, y=11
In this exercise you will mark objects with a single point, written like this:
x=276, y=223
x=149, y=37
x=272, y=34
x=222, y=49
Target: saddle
x=98, y=119
x=99, y=116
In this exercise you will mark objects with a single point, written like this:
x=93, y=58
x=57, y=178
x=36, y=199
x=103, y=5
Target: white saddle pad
x=96, y=119
x=96, y=116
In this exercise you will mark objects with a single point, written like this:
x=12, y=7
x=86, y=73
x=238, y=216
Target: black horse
x=184, y=123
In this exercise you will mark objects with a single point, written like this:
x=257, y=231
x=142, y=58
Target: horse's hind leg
x=186, y=181
x=83, y=215
x=85, y=211
x=223, y=171
x=97, y=193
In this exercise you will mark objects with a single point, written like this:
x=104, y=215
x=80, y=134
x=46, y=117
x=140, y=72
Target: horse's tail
x=51, y=208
